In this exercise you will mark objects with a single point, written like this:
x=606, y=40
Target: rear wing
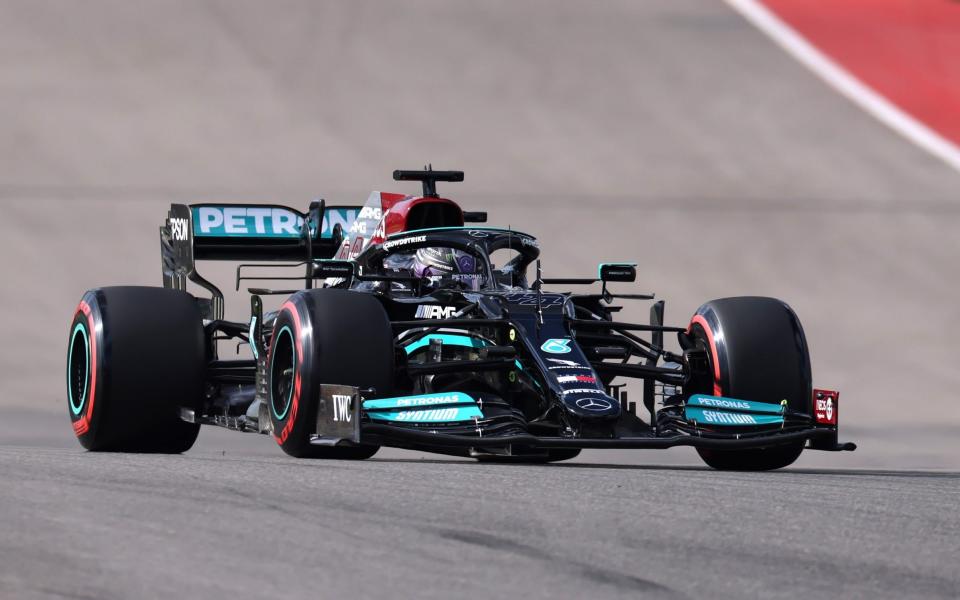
x=258, y=232
x=244, y=232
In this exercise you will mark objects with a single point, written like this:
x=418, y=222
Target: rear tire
x=757, y=351
x=135, y=356
x=325, y=336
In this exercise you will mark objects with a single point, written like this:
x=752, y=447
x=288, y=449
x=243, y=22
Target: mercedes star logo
x=594, y=404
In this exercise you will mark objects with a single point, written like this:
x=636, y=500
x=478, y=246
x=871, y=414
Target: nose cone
x=591, y=404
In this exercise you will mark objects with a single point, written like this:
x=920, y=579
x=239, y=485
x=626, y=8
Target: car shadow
x=686, y=468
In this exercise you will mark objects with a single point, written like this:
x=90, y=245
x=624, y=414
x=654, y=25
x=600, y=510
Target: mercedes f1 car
x=414, y=327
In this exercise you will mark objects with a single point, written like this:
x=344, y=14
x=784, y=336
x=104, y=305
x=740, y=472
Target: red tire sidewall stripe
x=297, y=373
x=82, y=425
x=702, y=322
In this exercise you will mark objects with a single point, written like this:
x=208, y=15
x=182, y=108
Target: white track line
x=847, y=84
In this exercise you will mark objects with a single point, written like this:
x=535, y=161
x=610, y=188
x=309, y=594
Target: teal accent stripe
x=448, y=339
x=429, y=414
x=734, y=404
x=723, y=418
x=732, y=412
x=408, y=402
x=75, y=408
x=293, y=351
x=252, y=221
x=426, y=408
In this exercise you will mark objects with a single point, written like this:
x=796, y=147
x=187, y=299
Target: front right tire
x=757, y=351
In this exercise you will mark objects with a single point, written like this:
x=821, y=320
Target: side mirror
x=617, y=272
x=474, y=216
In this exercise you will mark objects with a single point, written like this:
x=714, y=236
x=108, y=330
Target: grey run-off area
x=669, y=132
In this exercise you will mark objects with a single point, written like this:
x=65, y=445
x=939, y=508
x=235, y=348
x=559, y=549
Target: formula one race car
x=418, y=329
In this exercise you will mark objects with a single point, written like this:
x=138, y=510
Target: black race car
x=418, y=329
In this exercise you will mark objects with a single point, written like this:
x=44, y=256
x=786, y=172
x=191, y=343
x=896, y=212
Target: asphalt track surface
x=234, y=518
x=668, y=131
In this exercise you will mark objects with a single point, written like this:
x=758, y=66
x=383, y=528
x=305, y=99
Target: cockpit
x=460, y=258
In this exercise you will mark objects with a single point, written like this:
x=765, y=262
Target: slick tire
x=325, y=336
x=757, y=351
x=135, y=356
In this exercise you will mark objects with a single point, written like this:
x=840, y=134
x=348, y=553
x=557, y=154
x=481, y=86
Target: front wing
x=345, y=418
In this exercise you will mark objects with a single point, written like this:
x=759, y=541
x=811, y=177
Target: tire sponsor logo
x=580, y=391
x=594, y=404
x=556, y=346
x=294, y=401
x=82, y=424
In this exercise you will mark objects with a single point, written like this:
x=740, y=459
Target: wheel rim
x=283, y=364
x=78, y=369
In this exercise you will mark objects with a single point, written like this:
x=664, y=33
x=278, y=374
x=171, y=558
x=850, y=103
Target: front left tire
x=330, y=336
x=757, y=351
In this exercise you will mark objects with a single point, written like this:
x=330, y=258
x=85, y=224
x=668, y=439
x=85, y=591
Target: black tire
x=135, y=356
x=325, y=336
x=757, y=351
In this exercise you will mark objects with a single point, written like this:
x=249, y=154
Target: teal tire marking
x=448, y=340
x=293, y=351
x=77, y=408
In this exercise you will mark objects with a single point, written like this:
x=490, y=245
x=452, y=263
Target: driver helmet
x=443, y=262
